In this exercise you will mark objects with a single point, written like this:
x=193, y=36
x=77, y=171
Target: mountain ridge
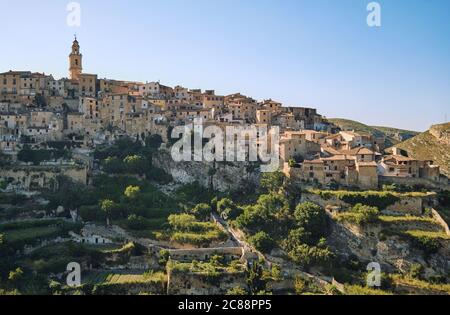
x=393, y=135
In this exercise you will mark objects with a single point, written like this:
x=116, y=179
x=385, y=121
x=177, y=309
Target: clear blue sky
x=313, y=53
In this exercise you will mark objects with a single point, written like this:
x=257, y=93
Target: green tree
x=307, y=256
x=272, y=182
x=153, y=141
x=135, y=222
x=131, y=192
x=296, y=238
x=201, y=211
x=255, y=280
x=227, y=209
x=367, y=214
x=136, y=164
x=15, y=275
x=108, y=207
x=181, y=222
x=112, y=165
x=262, y=242
x=164, y=257
x=312, y=218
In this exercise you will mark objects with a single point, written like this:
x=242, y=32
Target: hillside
x=433, y=144
x=393, y=135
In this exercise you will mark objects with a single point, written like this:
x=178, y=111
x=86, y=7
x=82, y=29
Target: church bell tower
x=75, y=61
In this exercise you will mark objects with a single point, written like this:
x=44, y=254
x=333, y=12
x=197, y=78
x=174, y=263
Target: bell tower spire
x=75, y=61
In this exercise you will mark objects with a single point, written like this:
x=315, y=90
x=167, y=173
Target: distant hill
x=433, y=144
x=392, y=135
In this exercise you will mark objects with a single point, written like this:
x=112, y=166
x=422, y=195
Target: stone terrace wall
x=443, y=183
x=201, y=284
x=203, y=254
x=406, y=205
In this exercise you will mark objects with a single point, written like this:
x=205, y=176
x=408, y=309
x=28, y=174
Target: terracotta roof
x=359, y=150
x=399, y=158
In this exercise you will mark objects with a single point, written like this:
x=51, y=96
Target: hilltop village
x=86, y=172
x=37, y=110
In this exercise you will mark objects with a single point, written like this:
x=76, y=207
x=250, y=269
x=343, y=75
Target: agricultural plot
x=106, y=277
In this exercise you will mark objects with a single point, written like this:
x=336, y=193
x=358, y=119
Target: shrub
x=15, y=275
x=163, y=257
x=227, y=209
x=131, y=192
x=307, y=256
x=360, y=214
x=262, y=242
x=182, y=222
x=428, y=244
x=135, y=222
x=201, y=211
x=236, y=291
x=272, y=182
x=312, y=218
x=416, y=271
x=92, y=213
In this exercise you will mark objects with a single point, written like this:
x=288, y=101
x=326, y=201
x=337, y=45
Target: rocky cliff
x=433, y=144
x=220, y=176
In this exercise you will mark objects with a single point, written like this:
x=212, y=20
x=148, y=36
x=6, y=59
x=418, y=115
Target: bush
x=262, y=242
x=15, y=275
x=360, y=214
x=416, y=271
x=428, y=244
x=201, y=211
x=164, y=257
x=227, y=209
x=92, y=213
x=312, y=218
x=307, y=256
x=182, y=222
x=272, y=182
x=261, y=216
x=236, y=291
x=136, y=223
x=131, y=192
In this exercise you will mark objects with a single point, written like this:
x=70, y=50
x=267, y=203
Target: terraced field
x=123, y=278
x=31, y=233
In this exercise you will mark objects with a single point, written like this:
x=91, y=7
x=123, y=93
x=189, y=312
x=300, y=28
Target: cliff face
x=220, y=176
x=433, y=144
x=395, y=254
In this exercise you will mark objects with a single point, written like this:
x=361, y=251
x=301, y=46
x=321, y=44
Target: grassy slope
x=425, y=146
x=391, y=134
